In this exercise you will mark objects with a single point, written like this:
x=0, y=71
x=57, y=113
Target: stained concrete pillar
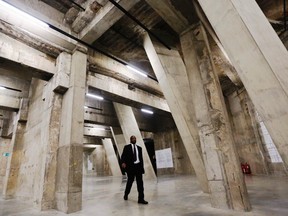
x=260, y=59
x=172, y=77
x=50, y=141
x=70, y=152
x=51, y=129
x=16, y=148
x=130, y=127
x=225, y=177
x=111, y=157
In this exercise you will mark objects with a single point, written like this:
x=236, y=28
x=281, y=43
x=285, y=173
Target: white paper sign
x=90, y=165
x=164, y=158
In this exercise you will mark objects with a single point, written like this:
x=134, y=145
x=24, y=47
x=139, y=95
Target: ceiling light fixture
x=95, y=96
x=90, y=146
x=101, y=129
x=147, y=111
x=137, y=71
x=1, y=87
x=22, y=14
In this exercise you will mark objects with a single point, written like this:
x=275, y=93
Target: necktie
x=134, y=152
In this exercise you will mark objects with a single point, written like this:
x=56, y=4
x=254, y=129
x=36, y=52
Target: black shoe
x=143, y=202
x=125, y=197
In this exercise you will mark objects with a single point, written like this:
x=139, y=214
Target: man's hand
x=123, y=165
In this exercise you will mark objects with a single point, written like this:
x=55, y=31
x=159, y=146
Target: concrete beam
x=91, y=140
x=168, y=12
x=16, y=87
x=13, y=51
x=96, y=132
x=9, y=103
x=31, y=40
x=84, y=17
x=35, y=28
x=172, y=76
x=120, y=89
x=105, y=18
x=102, y=64
x=97, y=118
x=41, y=11
x=7, y=119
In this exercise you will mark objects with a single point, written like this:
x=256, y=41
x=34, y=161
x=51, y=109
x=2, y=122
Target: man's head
x=133, y=139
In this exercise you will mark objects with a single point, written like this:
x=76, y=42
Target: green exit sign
x=6, y=154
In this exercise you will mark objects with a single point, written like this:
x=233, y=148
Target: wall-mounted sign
x=164, y=158
x=6, y=154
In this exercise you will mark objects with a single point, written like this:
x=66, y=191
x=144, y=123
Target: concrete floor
x=169, y=196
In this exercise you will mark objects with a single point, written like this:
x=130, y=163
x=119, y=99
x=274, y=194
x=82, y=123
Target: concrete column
x=118, y=138
x=111, y=157
x=51, y=129
x=50, y=139
x=70, y=152
x=222, y=164
x=260, y=59
x=172, y=77
x=16, y=148
x=130, y=127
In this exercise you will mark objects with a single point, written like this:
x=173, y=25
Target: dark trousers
x=131, y=176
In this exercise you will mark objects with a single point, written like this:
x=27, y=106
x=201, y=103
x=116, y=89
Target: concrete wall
x=171, y=139
x=249, y=145
x=250, y=138
x=4, y=148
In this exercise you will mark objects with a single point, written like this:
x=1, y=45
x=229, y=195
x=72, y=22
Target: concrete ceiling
x=123, y=39
x=116, y=33
x=103, y=26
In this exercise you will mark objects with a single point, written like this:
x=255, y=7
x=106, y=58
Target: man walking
x=132, y=163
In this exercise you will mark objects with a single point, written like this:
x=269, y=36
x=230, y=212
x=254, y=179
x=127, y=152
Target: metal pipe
x=138, y=22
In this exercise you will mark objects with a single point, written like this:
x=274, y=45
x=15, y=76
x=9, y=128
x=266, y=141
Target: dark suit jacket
x=127, y=158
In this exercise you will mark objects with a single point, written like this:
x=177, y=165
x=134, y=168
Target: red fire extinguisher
x=246, y=168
